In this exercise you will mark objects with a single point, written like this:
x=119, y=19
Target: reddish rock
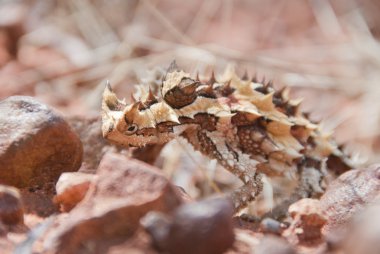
x=349, y=194
x=39, y=201
x=201, y=227
x=363, y=235
x=36, y=144
x=274, y=245
x=71, y=189
x=139, y=243
x=6, y=246
x=308, y=220
x=11, y=207
x=124, y=191
x=245, y=241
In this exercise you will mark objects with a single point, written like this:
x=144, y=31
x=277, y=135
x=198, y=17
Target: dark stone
x=36, y=144
x=202, y=227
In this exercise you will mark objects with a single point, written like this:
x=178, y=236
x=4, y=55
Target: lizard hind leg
x=308, y=186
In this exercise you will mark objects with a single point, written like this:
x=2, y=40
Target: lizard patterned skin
x=247, y=126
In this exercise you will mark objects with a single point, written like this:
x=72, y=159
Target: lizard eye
x=131, y=129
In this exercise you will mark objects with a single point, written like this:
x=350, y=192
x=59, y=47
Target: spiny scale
x=249, y=127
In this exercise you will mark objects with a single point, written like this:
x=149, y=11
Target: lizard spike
x=254, y=78
x=269, y=84
x=228, y=84
x=212, y=80
x=306, y=114
x=263, y=80
x=226, y=88
x=209, y=90
x=110, y=100
x=108, y=86
x=172, y=67
x=197, y=76
x=266, y=102
x=151, y=98
x=292, y=110
x=245, y=76
x=280, y=91
x=283, y=93
x=342, y=146
x=132, y=111
x=133, y=99
x=135, y=107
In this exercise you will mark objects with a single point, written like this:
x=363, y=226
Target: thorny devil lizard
x=247, y=126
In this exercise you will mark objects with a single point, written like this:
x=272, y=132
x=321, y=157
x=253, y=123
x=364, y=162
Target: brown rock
x=158, y=226
x=363, y=235
x=202, y=227
x=137, y=244
x=124, y=191
x=245, y=241
x=6, y=245
x=274, y=245
x=349, y=194
x=39, y=201
x=308, y=220
x=36, y=144
x=71, y=189
x=11, y=207
x=89, y=130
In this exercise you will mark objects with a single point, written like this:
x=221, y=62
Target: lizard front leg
x=237, y=163
x=248, y=192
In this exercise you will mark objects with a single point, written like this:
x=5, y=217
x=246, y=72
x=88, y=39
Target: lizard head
x=151, y=119
x=140, y=123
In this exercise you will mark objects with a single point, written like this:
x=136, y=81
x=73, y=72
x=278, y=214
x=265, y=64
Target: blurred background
x=327, y=51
